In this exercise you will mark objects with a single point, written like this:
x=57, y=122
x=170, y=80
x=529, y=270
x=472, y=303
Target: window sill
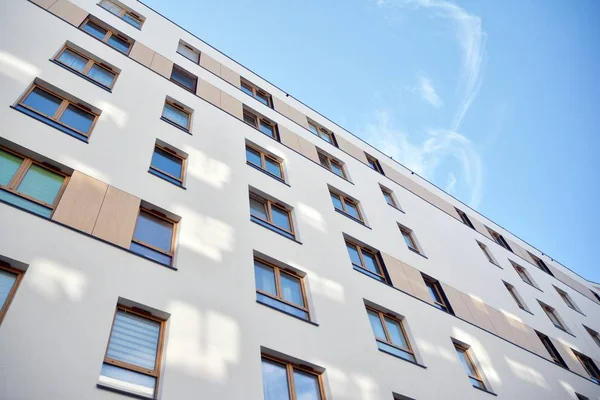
x=564, y=330
x=79, y=74
x=286, y=313
x=352, y=218
x=158, y=175
x=267, y=173
x=168, y=121
x=403, y=359
x=418, y=252
x=274, y=229
x=121, y=391
x=496, y=265
x=192, y=61
x=371, y=275
x=396, y=208
x=527, y=311
x=51, y=123
x=485, y=390
x=533, y=286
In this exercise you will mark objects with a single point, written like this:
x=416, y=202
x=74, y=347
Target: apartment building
x=174, y=226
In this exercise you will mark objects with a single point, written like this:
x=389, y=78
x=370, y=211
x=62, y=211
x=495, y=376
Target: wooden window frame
x=522, y=272
x=182, y=71
x=595, y=336
x=552, y=351
x=258, y=119
x=499, y=239
x=345, y=199
x=467, y=352
x=361, y=249
x=156, y=373
x=13, y=289
x=269, y=204
x=16, y=179
x=390, y=194
x=540, y=264
x=589, y=365
x=444, y=303
x=263, y=162
x=162, y=216
x=255, y=91
x=109, y=33
x=567, y=299
x=465, y=218
x=194, y=50
x=124, y=11
x=551, y=313
x=323, y=132
x=411, y=237
x=278, y=297
x=55, y=118
x=290, y=367
x=174, y=154
x=513, y=292
x=329, y=161
x=382, y=315
x=373, y=162
x=180, y=108
x=86, y=69
x=487, y=253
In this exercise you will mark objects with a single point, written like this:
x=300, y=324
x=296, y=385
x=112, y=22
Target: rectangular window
x=33, y=186
x=467, y=360
x=259, y=94
x=374, y=164
x=189, y=52
x=283, y=380
x=390, y=334
x=321, y=132
x=589, y=366
x=271, y=215
x=487, y=253
x=265, y=162
x=437, y=294
x=540, y=264
x=498, y=238
x=594, y=335
x=335, y=166
x=389, y=197
x=264, y=125
x=553, y=316
x=551, y=350
x=281, y=288
x=513, y=292
x=567, y=299
x=409, y=239
x=9, y=283
x=154, y=237
x=120, y=11
x=134, y=352
x=71, y=117
x=86, y=66
x=465, y=219
x=168, y=164
x=366, y=261
x=108, y=35
x=523, y=274
x=183, y=78
x=177, y=114
x=346, y=206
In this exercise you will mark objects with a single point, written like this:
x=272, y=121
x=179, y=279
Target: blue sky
x=495, y=102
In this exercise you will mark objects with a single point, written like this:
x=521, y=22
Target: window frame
x=589, y=365
x=595, y=335
x=255, y=91
x=406, y=232
x=191, y=48
x=183, y=71
x=330, y=160
x=289, y=368
x=175, y=154
x=180, y=108
x=567, y=299
x=13, y=290
x=346, y=199
x=499, y=239
x=18, y=176
x=124, y=11
x=268, y=209
x=552, y=314
x=376, y=255
x=437, y=288
x=465, y=218
x=382, y=316
x=263, y=156
x=552, y=351
x=258, y=119
x=322, y=131
x=374, y=164
x=162, y=216
x=523, y=274
x=470, y=359
x=540, y=264
x=516, y=297
x=86, y=69
x=109, y=33
x=385, y=191
x=487, y=253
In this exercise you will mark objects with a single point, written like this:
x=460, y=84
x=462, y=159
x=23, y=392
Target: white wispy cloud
x=427, y=92
x=451, y=183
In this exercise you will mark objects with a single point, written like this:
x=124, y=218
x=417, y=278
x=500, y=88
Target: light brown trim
x=90, y=63
x=329, y=161
x=375, y=255
x=290, y=367
x=268, y=209
x=110, y=31
x=382, y=316
x=408, y=233
x=168, y=150
x=345, y=199
x=467, y=352
x=13, y=289
x=438, y=290
x=171, y=252
x=263, y=156
x=257, y=120
x=192, y=49
x=320, y=132
x=180, y=108
x=374, y=164
x=183, y=71
x=256, y=91
x=390, y=194
x=124, y=11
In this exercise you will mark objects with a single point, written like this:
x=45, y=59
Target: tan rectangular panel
x=232, y=105
x=535, y=344
x=117, y=217
x=518, y=332
x=518, y=250
x=501, y=325
x=162, y=65
x=569, y=357
x=351, y=149
x=44, y=3
x=80, y=204
x=479, y=311
x=69, y=12
x=289, y=138
x=480, y=227
x=298, y=117
x=230, y=76
x=396, y=272
x=415, y=279
x=208, y=92
x=455, y=298
x=142, y=54
x=281, y=106
x=308, y=149
x=210, y=64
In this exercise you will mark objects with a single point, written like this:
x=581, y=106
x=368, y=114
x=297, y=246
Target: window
x=409, y=239
x=283, y=380
x=69, y=116
x=335, y=166
x=9, y=282
x=128, y=16
x=168, y=164
x=34, y=186
x=589, y=366
x=389, y=197
x=261, y=123
x=321, y=132
x=593, y=334
x=183, y=78
x=374, y=164
x=513, y=292
x=581, y=397
x=465, y=218
x=551, y=350
x=487, y=253
x=595, y=295
x=265, y=162
x=498, y=238
x=346, y=206
x=466, y=359
x=553, y=316
x=437, y=294
x=134, y=352
x=271, y=215
x=154, y=236
x=86, y=66
x=523, y=274
x=177, y=114
x=567, y=299
x=107, y=35
x=390, y=334
x=258, y=94
x=541, y=264
x=189, y=52
x=280, y=288
x=366, y=261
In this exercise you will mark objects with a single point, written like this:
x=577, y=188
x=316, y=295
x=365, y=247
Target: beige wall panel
x=396, y=272
x=289, y=138
x=280, y=106
x=297, y=117
x=455, y=298
x=117, y=217
x=208, y=92
x=308, y=149
x=521, y=252
x=518, y=332
x=351, y=149
x=570, y=359
x=415, y=279
x=69, y=12
x=479, y=311
x=142, y=54
x=162, y=65
x=80, y=204
x=443, y=205
x=479, y=227
x=44, y=3
x=231, y=105
x=209, y=63
x=501, y=324
x=535, y=344
x=230, y=76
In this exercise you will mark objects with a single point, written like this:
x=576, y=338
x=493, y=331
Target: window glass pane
x=78, y=119
x=388, y=198
x=462, y=355
x=151, y=254
x=337, y=202
x=9, y=164
x=281, y=218
x=337, y=169
x=307, y=386
x=265, y=278
x=101, y=75
x=132, y=21
x=280, y=305
x=41, y=184
x=325, y=136
x=291, y=289
x=253, y=156
x=352, y=209
x=258, y=209
x=26, y=204
x=110, y=6
x=313, y=129
x=7, y=280
x=396, y=334
x=183, y=78
x=433, y=292
x=273, y=167
x=371, y=262
x=73, y=60
x=154, y=231
x=372, y=164
x=250, y=119
x=43, y=102
x=119, y=44
x=247, y=89
x=408, y=240
x=353, y=253
x=127, y=380
x=95, y=30
x=376, y=325
x=167, y=162
x=134, y=340
x=176, y=115
x=324, y=161
x=188, y=53
x=267, y=129
x=396, y=351
x=275, y=383
x=263, y=99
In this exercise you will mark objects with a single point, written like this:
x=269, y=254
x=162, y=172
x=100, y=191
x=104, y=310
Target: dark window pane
x=408, y=240
x=267, y=129
x=353, y=253
x=273, y=167
x=188, y=53
x=167, y=162
x=281, y=218
x=132, y=21
x=337, y=202
x=253, y=157
x=250, y=119
x=119, y=44
x=337, y=169
x=95, y=30
x=275, y=383
x=78, y=119
x=395, y=351
x=291, y=289
x=247, y=89
x=176, y=115
x=388, y=198
x=313, y=129
x=325, y=136
x=7, y=280
x=263, y=99
x=280, y=305
x=154, y=231
x=183, y=78
x=43, y=102
x=376, y=325
x=151, y=254
x=9, y=164
x=258, y=209
x=352, y=210
x=307, y=386
x=324, y=161
x=101, y=75
x=73, y=60
x=371, y=262
x=433, y=293
x=265, y=278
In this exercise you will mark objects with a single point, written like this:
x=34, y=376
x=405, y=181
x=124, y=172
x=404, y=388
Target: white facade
x=55, y=332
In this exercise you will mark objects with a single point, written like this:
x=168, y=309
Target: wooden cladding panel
x=162, y=65
x=308, y=149
x=208, y=92
x=281, y=106
x=117, y=217
x=351, y=149
x=44, y=3
x=232, y=105
x=478, y=309
x=458, y=304
x=210, y=64
x=480, y=227
x=230, y=76
x=142, y=54
x=289, y=139
x=396, y=272
x=68, y=11
x=569, y=357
